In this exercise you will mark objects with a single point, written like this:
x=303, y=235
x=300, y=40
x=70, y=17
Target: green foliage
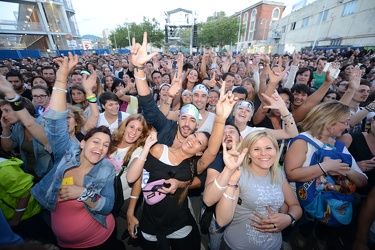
x=155, y=35
x=219, y=30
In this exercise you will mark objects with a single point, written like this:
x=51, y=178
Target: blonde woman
x=254, y=222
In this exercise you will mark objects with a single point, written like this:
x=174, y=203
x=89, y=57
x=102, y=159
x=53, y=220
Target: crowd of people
x=254, y=137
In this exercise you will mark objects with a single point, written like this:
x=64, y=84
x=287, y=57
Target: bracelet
x=235, y=186
x=168, y=103
x=20, y=209
x=134, y=197
x=16, y=98
x=92, y=100
x=90, y=96
x=17, y=105
x=141, y=158
x=220, y=122
x=138, y=67
x=61, y=81
x=60, y=89
x=370, y=108
x=218, y=186
x=323, y=170
x=5, y=137
x=138, y=78
x=228, y=197
x=285, y=116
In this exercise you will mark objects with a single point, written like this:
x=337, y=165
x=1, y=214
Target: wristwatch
x=293, y=220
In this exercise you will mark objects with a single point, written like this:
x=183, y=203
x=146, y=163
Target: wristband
x=60, y=89
x=138, y=67
x=20, y=209
x=16, y=98
x=5, y=137
x=134, y=197
x=218, y=186
x=323, y=170
x=235, y=186
x=61, y=81
x=141, y=158
x=86, y=194
x=228, y=197
x=90, y=96
x=138, y=78
x=285, y=116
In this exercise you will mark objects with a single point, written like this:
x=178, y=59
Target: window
x=275, y=13
x=252, y=24
x=336, y=42
x=251, y=34
x=293, y=26
x=349, y=8
x=305, y=22
x=283, y=29
x=324, y=14
x=245, y=21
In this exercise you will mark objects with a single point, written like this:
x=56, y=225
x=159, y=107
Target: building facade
x=256, y=21
x=325, y=24
x=39, y=25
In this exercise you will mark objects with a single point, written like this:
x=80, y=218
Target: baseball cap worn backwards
x=200, y=87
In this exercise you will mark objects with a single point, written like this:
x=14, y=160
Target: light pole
x=127, y=27
x=239, y=31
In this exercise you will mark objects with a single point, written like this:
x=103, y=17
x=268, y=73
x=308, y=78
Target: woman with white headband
x=244, y=110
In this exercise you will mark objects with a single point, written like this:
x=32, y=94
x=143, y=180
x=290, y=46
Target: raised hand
x=355, y=78
x=275, y=101
x=232, y=158
x=226, y=102
x=151, y=139
x=7, y=88
x=66, y=65
x=139, y=52
x=175, y=87
x=277, y=74
x=89, y=82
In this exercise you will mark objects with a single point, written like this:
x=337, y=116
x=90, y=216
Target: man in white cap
x=170, y=133
x=200, y=100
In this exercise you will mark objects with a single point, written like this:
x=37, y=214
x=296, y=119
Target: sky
x=96, y=15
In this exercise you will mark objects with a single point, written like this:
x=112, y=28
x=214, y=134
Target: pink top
x=74, y=227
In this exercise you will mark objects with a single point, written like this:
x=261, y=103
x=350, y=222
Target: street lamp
x=239, y=31
x=127, y=27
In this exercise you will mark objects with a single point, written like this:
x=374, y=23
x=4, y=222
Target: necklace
x=179, y=140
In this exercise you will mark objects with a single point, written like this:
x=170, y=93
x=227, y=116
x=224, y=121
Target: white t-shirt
x=113, y=126
x=208, y=123
x=117, y=159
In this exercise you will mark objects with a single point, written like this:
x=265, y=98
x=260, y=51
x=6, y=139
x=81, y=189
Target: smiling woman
x=80, y=208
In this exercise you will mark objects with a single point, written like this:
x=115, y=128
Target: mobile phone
x=135, y=231
x=68, y=181
x=174, y=64
x=334, y=72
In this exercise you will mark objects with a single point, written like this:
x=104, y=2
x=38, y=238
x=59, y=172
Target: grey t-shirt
x=256, y=192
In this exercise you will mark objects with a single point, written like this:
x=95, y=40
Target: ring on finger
x=274, y=225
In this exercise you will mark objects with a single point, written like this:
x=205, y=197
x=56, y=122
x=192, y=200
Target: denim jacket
x=43, y=159
x=100, y=179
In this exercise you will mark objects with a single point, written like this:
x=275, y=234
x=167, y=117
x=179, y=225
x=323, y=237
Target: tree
x=155, y=35
x=219, y=30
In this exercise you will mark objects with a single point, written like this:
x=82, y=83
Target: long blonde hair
x=323, y=115
x=249, y=142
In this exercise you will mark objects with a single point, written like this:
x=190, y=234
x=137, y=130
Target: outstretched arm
x=88, y=83
x=36, y=130
x=223, y=109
